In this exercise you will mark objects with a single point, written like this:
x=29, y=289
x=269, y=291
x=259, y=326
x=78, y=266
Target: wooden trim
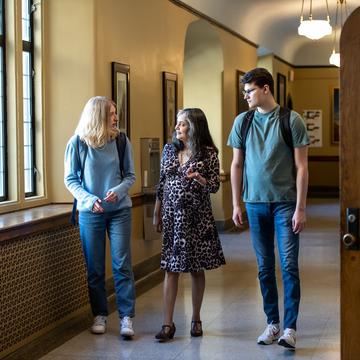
x=211, y=21
x=324, y=158
x=224, y=177
x=304, y=66
x=137, y=200
x=37, y=225
x=315, y=67
x=42, y=218
x=283, y=61
x=323, y=192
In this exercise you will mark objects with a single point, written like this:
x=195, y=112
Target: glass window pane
x=28, y=181
x=26, y=63
x=26, y=20
x=28, y=123
x=1, y=17
x=3, y=159
x=2, y=194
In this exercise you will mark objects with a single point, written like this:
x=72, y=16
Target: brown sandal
x=166, y=333
x=196, y=328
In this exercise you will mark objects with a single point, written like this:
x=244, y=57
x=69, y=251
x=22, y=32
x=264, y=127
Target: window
x=28, y=99
x=3, y=153
x=22, y=180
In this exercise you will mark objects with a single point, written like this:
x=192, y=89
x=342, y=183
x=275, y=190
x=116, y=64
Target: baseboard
x=224, y=225
x=332, y=192
x=227, y=225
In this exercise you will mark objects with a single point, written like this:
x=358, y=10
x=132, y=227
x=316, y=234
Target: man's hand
x=237, y=216
x=298, y=220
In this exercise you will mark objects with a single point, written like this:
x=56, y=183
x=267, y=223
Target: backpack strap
x=285, y=128
x=121, y=146
x=79, y=144
x=284, y=117
x=245, y=126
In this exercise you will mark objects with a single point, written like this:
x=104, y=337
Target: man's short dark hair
x=260, y=77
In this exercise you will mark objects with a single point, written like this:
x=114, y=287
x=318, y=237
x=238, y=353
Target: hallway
x=232, y=310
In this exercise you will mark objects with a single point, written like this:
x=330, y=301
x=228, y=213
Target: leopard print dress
x=190, y=240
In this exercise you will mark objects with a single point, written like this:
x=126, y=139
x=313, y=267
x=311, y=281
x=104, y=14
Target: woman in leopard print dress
x=189, y=173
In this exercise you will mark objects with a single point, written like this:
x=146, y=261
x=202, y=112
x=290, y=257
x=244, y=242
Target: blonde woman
x=99, y=176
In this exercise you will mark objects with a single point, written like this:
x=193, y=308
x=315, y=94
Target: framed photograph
x=241, y=103
x=121, y=94
x=281, y=90
x=335, y=115
x=169, y=104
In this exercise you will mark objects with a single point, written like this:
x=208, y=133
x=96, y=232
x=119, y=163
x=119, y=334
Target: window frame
x=28, y=46
x=4, y=103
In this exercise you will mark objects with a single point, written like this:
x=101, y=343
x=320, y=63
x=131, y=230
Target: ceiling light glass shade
x=334, y=59
x=314, y=29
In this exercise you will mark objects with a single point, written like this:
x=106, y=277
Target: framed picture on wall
x=335, y=115
x=121, y=94
x=169, y=104
x=241, y=103
x=281, y=90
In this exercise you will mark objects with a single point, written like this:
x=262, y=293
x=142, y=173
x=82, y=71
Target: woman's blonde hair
x=93, y=127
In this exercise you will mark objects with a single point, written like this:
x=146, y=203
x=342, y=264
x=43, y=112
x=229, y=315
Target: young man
x=272, y=178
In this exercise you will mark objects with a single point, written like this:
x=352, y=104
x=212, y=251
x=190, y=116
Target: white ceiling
x=272, y=25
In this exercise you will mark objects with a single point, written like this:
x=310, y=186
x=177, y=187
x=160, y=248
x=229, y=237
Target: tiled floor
x=232, y=310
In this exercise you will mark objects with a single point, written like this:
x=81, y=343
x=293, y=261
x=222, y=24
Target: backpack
x=284, y=117
x=80, y=145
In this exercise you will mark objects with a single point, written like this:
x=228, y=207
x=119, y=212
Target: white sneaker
x=270, y=334
x=99, y=325
x=126, y=327
x=288, y=339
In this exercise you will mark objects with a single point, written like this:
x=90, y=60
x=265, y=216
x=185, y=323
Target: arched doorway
x=203, y=69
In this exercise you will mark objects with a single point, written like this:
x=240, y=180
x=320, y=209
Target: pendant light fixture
x=314, y=29
x=335, y=56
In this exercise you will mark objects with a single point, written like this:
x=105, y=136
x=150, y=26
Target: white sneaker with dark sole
x=270, y=334
x=99, y=325
x=288, y=339
x=126, y=327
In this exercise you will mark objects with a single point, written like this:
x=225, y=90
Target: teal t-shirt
x=269, y=170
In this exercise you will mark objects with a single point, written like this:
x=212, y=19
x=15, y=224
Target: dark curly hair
x=260, y=77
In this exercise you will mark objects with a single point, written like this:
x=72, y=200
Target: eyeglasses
x=248, y=91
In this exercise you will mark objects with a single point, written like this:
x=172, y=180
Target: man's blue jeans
x=93, y=229
x=264, y=220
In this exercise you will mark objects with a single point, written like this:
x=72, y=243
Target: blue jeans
x=93, y=229
x=264, y=220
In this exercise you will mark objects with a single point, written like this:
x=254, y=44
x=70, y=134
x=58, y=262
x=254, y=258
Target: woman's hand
x=111, y=197
x=157, y=222
x=191, y=174
x=97, y=208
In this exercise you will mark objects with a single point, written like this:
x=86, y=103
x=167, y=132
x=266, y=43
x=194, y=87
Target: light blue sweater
x=101, y=174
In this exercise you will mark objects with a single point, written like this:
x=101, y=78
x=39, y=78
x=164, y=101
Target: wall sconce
x=314, y=29
x=334, y=58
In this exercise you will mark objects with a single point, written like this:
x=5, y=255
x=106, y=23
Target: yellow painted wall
x=69, y=63
x=82, y=38
x=312, y=90
x=237, y=55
